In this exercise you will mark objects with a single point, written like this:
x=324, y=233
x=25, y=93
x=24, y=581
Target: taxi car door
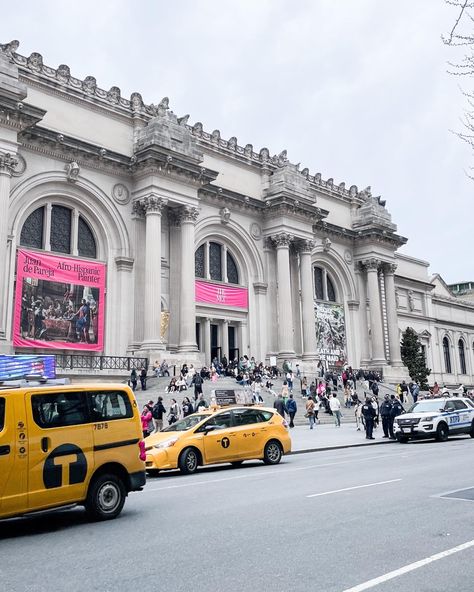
x=249, y=432
x=114, y=427
x=220, y=443
x=61, y=458
x=13, y=456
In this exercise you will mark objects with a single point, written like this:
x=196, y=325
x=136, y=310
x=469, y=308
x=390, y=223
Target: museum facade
x=126, y=230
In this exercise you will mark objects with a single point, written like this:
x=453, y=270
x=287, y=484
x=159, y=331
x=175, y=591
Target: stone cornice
x=19, y=115
x=288, y=206
x=214, y=194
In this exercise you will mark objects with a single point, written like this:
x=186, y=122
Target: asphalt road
x=327, y=521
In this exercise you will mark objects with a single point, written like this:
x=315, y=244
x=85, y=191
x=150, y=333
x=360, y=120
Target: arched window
x=214, y=261
x=447, y=355
x=462, y=357
x=66, y=226
x=323, y=285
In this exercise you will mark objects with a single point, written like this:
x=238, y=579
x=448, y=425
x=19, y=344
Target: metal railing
x=85, y=362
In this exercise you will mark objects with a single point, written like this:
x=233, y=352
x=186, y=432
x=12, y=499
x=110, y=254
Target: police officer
x=386, y=413
x=397, y=409
x=369, y=414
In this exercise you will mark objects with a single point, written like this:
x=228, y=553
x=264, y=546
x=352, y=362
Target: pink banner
x=59, y=302
x=222, y=295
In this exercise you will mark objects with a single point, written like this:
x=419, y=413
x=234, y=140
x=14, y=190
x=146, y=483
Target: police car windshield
x=186, y=423
x=421, y=406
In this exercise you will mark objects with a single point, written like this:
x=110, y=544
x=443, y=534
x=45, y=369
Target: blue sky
x=354, y=89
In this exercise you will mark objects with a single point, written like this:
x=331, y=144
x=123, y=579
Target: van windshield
x=185, y=424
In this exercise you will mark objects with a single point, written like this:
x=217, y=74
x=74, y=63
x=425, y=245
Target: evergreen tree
x=413, y=357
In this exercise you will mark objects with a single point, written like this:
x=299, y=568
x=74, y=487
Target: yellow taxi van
x=219, y=435
x=63, y=444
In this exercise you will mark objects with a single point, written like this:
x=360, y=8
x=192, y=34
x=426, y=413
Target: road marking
x=351, y=488
x=410, y=567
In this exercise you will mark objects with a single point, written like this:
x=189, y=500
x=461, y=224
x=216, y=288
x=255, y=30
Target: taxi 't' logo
x=66, y=455
x=225, y=442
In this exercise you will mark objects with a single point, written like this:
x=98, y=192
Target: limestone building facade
x=189, y=246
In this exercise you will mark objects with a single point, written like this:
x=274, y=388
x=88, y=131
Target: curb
x=339, y=447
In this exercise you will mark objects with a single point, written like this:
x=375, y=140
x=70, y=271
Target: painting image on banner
x=330, y=333
x=59, y=302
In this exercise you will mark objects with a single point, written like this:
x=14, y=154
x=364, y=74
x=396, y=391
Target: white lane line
x=351, y=488
x=253, y=473
x=410, y=567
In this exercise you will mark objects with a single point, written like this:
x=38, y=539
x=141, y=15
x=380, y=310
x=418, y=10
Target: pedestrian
x=397, y=409
x=197, y=381
x=386, y=414
x=146, y=417
x=201, y=404
x=358, y=413
x=291, y=409
x=143, y=378
x=368, y=413
x=157, y=413
x=284, y=391
x=404, y=390
x=335, y=406
x=279, y=405
x=133, y=379
x=415, y=391
x=304, y=387
x=187, y=407
x=174, y=412
x=310, y=405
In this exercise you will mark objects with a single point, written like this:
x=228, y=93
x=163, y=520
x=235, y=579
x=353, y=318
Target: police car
x=436, y=418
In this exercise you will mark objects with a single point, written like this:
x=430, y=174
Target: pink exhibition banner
x=59, y=302
x=222, y=295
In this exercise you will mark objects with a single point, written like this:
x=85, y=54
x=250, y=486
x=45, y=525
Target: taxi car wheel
x=106, y=497
x=442, y=432
x=272, y=453
x=188, y=461
x=237, y=463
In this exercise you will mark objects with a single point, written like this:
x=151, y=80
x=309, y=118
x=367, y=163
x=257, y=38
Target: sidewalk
x=327, y=437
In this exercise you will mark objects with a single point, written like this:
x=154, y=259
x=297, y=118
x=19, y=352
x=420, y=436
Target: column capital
x=152, y=204
x=389, y=268
x=371, y=264
x=282, y=239
x=187, y=214
x=8, y=162
x=305, y=246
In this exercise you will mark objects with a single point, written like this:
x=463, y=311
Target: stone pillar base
x=395, y=374
x=6, y=347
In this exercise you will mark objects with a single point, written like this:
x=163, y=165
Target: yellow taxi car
x=62, y=445
x=221, y=435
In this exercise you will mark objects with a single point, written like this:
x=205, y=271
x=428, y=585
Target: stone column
x=187, y=308
x=225, y=339
x=7, y=165
x=244, y=338
x=152, y=206
x=363, y=325
x=378, y=350
x=285, y=316
x=307, y=301
x=392, y=318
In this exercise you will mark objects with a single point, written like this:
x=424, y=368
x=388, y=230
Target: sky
x=357, y=90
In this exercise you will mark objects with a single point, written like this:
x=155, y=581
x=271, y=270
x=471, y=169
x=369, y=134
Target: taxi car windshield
x=185, y=424
x=429, y=406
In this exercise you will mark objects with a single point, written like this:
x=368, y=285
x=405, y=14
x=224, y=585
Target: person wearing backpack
x=197, y=381
x=291, y=409
x=174, y=412
x=157, y=413
x=133, y=379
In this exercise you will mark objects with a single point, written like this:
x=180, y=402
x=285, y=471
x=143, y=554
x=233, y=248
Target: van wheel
x=471, y=431
x=442, y=432
x=106, y=497
x=402, y=439
x=272, y=453
x=188, y=461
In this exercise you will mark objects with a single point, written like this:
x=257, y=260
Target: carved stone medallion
x=20, y=167
x=255, y=231
x=121, y=194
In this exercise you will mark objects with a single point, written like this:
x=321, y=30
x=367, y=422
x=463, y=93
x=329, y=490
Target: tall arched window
x=214, y=261
x=462, y=357
x=323, y=285
x=68, y=231
x=447, y=355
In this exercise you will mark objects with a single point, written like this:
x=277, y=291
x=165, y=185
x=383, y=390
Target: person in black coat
x=369, y=414
x=397, y=409
x=386, y=414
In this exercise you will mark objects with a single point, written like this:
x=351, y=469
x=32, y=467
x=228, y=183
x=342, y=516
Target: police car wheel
x=188, y=461
x=272, y=453
x=442, y=432
x=106, y=497
x=402, y=439
x=471, y=431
